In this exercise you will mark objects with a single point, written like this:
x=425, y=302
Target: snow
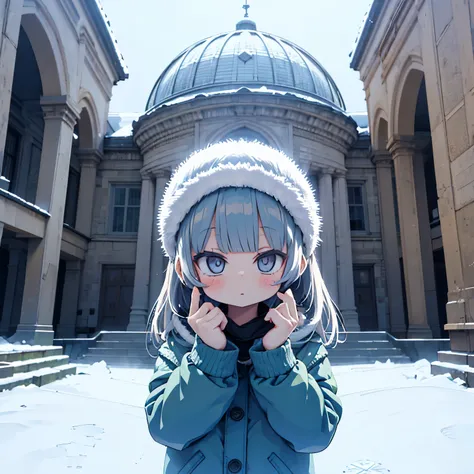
x=25, y=203
x=6, y=346
x=397, y=418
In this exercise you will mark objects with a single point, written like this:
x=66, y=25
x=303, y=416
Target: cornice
x=335, y=129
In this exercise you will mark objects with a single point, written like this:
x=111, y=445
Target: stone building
x=79, y=251
x=58, y=64
x=417, y=64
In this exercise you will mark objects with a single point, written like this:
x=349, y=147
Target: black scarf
x=244, y=336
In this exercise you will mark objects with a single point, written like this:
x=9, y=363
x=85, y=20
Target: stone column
x=403, y=152
x=158, y=259
x=43, y=254
x=345, y=274
x=328, y=234
x=10, y=19
x=89, y=160
x=140, y=308
x=383, y=164
x=72, y=283
x=2, y=225
x=426, y=244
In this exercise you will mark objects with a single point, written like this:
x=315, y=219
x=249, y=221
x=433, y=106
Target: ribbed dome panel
x=244, y=58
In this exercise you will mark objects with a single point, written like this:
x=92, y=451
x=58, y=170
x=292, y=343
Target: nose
x=241, y=273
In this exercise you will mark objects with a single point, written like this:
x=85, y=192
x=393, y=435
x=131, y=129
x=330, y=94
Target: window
x=12, y=146
x=125, y=208
x=246, y=134
x=356, y=207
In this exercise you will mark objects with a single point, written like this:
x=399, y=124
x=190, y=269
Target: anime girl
x=242, y=382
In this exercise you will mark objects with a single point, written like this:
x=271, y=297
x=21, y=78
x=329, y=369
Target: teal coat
x=220, y=416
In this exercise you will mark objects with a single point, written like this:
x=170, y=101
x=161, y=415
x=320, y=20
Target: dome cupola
x=245, y=58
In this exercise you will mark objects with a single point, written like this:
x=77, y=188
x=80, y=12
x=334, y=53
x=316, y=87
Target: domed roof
x=245, y=58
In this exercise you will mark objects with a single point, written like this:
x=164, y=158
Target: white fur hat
x=239, y=164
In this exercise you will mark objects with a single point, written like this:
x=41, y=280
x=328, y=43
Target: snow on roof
x=121, y=67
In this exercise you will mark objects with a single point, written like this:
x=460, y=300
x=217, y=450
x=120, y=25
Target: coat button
x=236, y=413
x=234, y=465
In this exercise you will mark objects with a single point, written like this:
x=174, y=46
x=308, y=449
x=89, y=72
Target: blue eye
x=211, y=265
x=215, y=264
x=270, y=263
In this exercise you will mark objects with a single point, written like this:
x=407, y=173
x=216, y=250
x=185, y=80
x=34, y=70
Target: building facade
x=58, y=64
x=417, y=64
x=80, y=250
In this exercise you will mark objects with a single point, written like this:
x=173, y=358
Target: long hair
x=238, y=213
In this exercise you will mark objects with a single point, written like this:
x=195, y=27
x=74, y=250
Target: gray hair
x=238, y=213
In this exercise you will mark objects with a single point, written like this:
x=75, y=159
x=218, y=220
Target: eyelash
x=269, y=253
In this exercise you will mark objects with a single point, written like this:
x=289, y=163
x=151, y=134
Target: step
x=126, y=336
x=9, y=369
x=365, y=336
x=464, y=372
x=452, y=357
x=38, y=377
x=369, y=343
x=122, y=344
x=119, y=361
x=344, y=360
x=36, y=353
x=119, y=351
x=365, y=352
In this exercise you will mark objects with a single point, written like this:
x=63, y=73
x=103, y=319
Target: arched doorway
x=422, y=254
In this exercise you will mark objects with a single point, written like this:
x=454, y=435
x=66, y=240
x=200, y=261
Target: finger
x=217, y=320
x=284, y=311
x=279, y=319
x=273, y=315
x=203, y=311
x=210, y=315
x=194, y=306
x=289, y=299
x=223, y=323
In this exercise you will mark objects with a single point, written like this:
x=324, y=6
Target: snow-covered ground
x=397, y=419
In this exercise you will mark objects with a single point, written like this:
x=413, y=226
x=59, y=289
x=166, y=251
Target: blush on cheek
x=265, y=281
x=212, y=284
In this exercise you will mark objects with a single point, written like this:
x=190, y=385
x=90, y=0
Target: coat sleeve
x=298, y=395
x=189, y=398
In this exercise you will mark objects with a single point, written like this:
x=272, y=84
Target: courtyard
x=397, y=419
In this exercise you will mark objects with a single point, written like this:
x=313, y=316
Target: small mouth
x=241, y=294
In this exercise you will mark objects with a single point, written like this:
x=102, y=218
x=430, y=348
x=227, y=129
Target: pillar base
x=419, y=332
x=351, y=319
x=138, y=319
x=34, y=335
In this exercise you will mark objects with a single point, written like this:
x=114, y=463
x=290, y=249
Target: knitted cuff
x=278, y=361
x=212, y=361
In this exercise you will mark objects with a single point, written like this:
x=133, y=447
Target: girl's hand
x=208, y=322
x=285, y=318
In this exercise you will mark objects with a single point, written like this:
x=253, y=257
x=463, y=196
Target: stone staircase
x=366, y=348
x=127, y=349
x=38, y=366
x=120, y=349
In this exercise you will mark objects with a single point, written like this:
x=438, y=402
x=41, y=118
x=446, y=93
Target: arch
x=89, y=123
x=380, y=128
x=48, y=50
x=228, y=129
x=406, y=96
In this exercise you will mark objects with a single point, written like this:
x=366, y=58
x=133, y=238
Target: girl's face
x=240, y=278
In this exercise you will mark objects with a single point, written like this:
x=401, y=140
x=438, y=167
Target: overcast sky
x=151, y=33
